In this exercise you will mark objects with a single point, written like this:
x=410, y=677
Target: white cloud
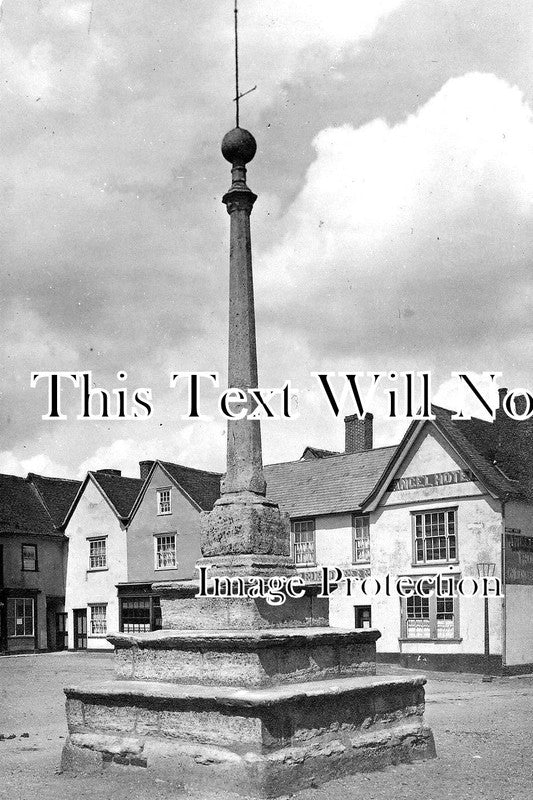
x=400, y=234
x=68, y=13
x=200, y=445
x=11, y=464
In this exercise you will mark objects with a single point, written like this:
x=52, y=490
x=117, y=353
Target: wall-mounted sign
x=435, y=479
x=518, y=557
x=316, y=576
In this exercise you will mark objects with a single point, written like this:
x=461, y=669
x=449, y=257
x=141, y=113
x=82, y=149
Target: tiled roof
x=506, y=443
x=326, y=485
x=21, y=511
x=203, y=487
x=57, y=495
x=121, y=492
x=489, y=474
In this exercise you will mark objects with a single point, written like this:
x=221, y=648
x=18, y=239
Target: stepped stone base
x=245, y=658
x=276, y=740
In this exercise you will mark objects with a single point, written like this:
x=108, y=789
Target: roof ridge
x=336, y=455
x=112, y=475
x=52, y=478
x=192, y=469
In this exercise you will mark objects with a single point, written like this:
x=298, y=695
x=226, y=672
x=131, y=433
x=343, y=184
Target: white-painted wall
x=519, y=614
x=519, y=598
x=479, y=523
x=92, y=517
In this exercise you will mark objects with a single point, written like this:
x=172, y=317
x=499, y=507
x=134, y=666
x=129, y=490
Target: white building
x=435, y=504
x=97, y=557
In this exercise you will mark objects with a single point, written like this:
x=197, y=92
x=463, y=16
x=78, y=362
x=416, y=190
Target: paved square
x=483, y=733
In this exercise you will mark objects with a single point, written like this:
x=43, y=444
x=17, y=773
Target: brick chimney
x=117, y=472
x=144, y=468
x=358, y=433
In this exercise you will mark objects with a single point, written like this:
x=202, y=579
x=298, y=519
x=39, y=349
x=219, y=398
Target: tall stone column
x=244, y=461
x=245, y=534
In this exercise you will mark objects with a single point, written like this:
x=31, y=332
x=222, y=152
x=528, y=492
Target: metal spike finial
x=238, y=94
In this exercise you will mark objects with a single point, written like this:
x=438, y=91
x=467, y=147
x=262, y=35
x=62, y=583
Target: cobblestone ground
x=483, y=733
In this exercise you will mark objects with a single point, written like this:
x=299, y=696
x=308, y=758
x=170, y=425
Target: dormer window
x=164, y=505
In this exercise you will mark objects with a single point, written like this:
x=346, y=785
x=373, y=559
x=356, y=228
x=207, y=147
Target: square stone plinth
x=257, y=742
x=183, y=609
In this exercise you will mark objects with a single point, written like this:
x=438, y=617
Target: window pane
x=435, y=536
x=29, y=557
x=361, y=541
x=97, y=554
x=418, y=629
x=20, y=616
x=303, y=533
x=98, y=620
x=135, y=613
x=166, y=551
x=163, y=501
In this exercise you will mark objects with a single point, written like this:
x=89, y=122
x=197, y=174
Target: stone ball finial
x=238, y=147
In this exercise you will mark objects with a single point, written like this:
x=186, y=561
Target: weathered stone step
x=245, y=658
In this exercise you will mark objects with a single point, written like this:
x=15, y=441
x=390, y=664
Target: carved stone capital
x=239, y=199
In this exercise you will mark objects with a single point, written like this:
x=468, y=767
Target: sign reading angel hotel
x=435, y=479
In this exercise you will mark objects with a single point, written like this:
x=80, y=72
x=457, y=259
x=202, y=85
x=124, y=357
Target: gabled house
x=95, y=527
x=439, y=503
x=163, y=537
x=32, y=562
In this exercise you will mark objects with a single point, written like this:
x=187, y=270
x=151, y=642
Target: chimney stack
x=358, y=433
x=144, y=469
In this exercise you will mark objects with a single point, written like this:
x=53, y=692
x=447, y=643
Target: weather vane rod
x=238, y=95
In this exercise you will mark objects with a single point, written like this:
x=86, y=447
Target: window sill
x=29, y=570
x=164, y=513
x=427, y=564
x=21, y=636
x=98, y=569
x=443, y=641
x=164, y=569
x=310, y=565
x=97, y=636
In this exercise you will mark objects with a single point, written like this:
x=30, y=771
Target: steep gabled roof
x=202, y=486
x=494, y=480
x=326, y=485
x=121, y=492
x=21, y=510
x=56, y=494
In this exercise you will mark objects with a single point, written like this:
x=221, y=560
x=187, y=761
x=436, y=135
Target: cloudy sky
x=393, y=229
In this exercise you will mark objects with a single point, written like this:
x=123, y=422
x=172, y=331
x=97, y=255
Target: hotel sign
x=435, y=479
x=518, y=557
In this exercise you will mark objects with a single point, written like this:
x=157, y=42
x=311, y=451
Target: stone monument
x=236, y=695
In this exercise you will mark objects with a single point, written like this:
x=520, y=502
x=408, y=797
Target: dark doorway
x=363, y=616
x=80, y=629
x=61, y=631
